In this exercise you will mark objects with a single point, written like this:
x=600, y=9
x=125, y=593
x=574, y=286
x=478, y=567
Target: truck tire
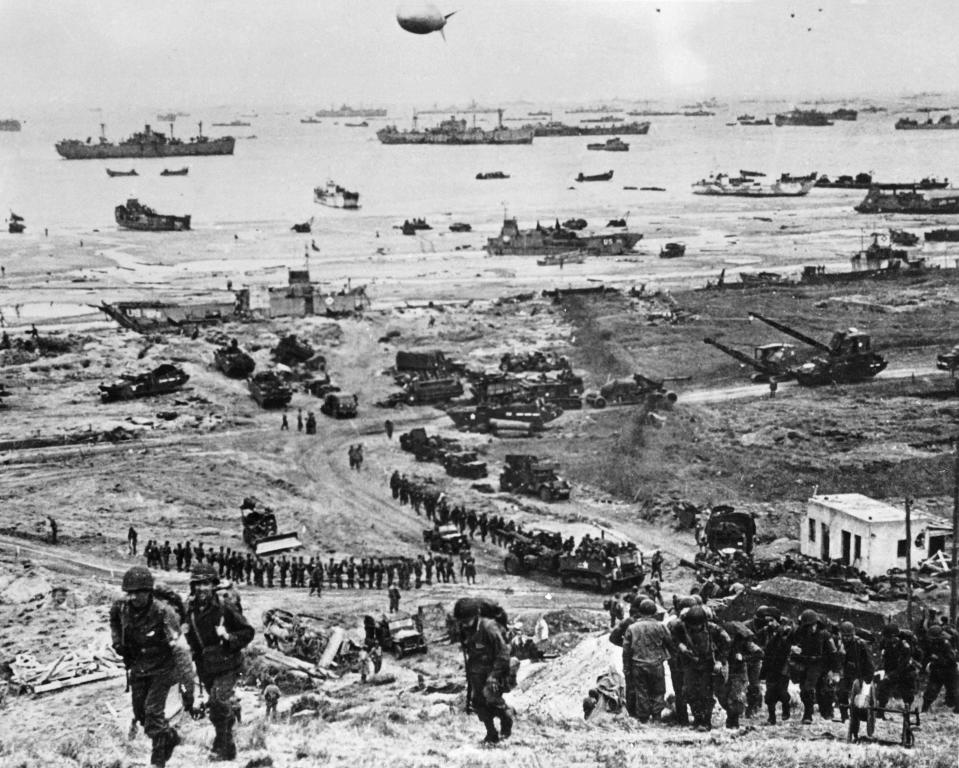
x=545, y=494
x=599, y=402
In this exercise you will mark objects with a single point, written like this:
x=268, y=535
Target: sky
x=182, y=53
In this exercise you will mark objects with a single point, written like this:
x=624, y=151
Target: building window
x=812, y=530
x=857, y=547
x=901, y=548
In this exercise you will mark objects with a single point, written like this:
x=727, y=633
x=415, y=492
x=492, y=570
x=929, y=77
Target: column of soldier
x=726, y=662
x=368, y=573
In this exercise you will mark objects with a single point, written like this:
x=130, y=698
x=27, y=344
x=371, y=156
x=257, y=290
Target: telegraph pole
x=909, y=561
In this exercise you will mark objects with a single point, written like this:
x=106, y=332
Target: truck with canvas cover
x=161, y=380
x=533, y=476
x=603, y=572
x=259, y=529
x=727, y=529
x=340, y=405
x=446, y=539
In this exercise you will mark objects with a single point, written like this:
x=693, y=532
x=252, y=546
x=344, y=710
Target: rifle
x=469, y=683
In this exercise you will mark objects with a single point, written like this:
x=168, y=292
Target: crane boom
x=743, y=358
x=791, y=332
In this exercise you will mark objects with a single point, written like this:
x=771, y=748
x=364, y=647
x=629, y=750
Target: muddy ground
x=184, y=477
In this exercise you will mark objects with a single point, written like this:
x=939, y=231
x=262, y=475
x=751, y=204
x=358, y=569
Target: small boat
x=131, y=172
x=751, y=174
x=940, y=236
x=311, y=121
x=559, y=259
x=305, y=228
x=233, y=124
x=15, y=225
x=614, y=144
x=461, y=226
x=652, y=189
x=135, y=215
x=411, y=226
x=335, y=196
x=364, y=124
x=672, y=250
x=595, y=177
x=179, y=172
x=491, y=175
x=629, y=187
x=901, y=237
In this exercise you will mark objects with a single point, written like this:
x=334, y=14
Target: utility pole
x=909, y=561
x=954, y=580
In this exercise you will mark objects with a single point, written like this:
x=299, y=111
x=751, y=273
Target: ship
x=554, y=128
x=335, y=196
x=843, y=113
x=487, y=175
x=168, y=117
x=135, y=215
x=178, y=172
x=807, y=117
x=311, y=121
x=10, y=125
x=614, y=144
x=910, y=201
x=594, y=177
x=543, y=241
x=604, y=119
x=751, y=120
x=865, y=181
x=942, y=236
x=749, y=186
x=131, y=172
x=146, y=143
x=346, y=111
x=233, y=124
x=944, y=123
x=456, y=132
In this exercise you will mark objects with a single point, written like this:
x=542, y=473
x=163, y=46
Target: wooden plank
x=69, y=683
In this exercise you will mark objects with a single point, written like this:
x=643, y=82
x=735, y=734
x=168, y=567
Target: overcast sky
x=177, y=53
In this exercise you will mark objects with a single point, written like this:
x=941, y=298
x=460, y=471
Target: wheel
x=599, y=402
x=545, y=494
x=605, y=585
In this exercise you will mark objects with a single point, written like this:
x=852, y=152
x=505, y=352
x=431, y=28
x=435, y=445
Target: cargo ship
x=810, y=117
x=910, y=201
x=455, y=132
x=554, y=128
x=750, y=186
x=943, y=124
x=543, y=241
x=10, y=125
x=346, y=111
x=614, y=144
x=146, y=143
x=135, y=215
x=335, y=196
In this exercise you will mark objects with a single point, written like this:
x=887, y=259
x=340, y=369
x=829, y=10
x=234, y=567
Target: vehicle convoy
x=269, y=389
x=259, y=529
x=446, y=539
x=398, y=634
x=848, y=356
x=161, y=380
x=638, y=389
x=233, y=361
x=533, y=476
x=601, y=571
x=772, y=362
x=340, y=405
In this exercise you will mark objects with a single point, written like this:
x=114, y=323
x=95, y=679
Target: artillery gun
x=847, y=358
x=772, y=362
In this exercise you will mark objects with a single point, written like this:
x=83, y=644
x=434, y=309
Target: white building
x=867, y=534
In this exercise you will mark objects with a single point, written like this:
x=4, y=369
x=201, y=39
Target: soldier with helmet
x=217, y=632
x=646, y=646
x=856, y=666
x=704, y=648
x=814, y=664
x=940, y=658
x=144, y=631
x=775, y=666
x=764, y=622
x=487, y=666
x=899, y=669
x=743, y=651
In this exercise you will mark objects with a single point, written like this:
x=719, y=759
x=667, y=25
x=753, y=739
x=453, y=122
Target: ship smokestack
x=201, y=128
x=103, y=130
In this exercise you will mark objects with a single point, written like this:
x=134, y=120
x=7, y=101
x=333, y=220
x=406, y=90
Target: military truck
x=269, y=389
x=340, y=405
x=399, y=634
x=564, y=390
x=464, y=464
x=259, y=529
x=606, y=573
x=161, y=380
x=638, y=389
x=425, y=447
x=446, y=539
x=533, y=476
x=726, y=529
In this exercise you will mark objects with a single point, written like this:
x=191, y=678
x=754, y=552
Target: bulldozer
x=847, y=358
x=259, y=529
x=771, y=362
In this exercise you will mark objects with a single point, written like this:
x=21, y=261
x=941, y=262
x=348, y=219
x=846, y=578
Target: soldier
x=285, y=424
x=815, y=663
x=487, y=667
x=339, y=575
x=316, y=580
x=394, y=595
x=483, y=526
x=395, y=484
x=760, y=626
x=270, y=572
x=284, y=569
x=144, y=631
x=132, y=541
x=350, y=573
x=743, y=650
x=674, y=625
x=856, y=665
x=222, y=560
x=217, y=633
x=897, y=662
x=388, y=425
x=187, y=555
x=177, y=555
x=310, y=423
x=616, y=614
x=271, y=694
x=299, y=420
x=380, y=570
x=470, y=570
x=404, y=489
x=656, y=565
x=258, y=572
x=704, y=647
x=646, y=645
x=940, y=657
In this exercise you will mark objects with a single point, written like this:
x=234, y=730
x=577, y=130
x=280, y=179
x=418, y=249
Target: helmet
x=203, y=572
x=684, y=602
x=808, y=617
x=935, y=631
x=890, y=630
x=466, y=608
x=647, y=607
x=695, y=615
x=846, y=628
x=137, y=578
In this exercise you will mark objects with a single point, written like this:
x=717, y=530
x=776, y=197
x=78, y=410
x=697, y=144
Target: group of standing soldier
x=727, y=661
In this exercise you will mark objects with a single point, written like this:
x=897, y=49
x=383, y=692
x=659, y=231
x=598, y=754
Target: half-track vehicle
x=269, y=389
x=446, y=539
x=534, y=551
x=399, y=634
x=464, y=464
x=533, y=476
x=233, y=361
x=161, y=380
x=260, y=531
x=340, y=405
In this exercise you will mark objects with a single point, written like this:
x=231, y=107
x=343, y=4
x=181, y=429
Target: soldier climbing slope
x=144, y=631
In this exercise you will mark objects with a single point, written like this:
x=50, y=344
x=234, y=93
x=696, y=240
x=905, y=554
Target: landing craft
x=421, y=18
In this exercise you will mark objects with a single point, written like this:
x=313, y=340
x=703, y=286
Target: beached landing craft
x=134, y=215
x=335, y=196
x=543, y=241
x=750, y=186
